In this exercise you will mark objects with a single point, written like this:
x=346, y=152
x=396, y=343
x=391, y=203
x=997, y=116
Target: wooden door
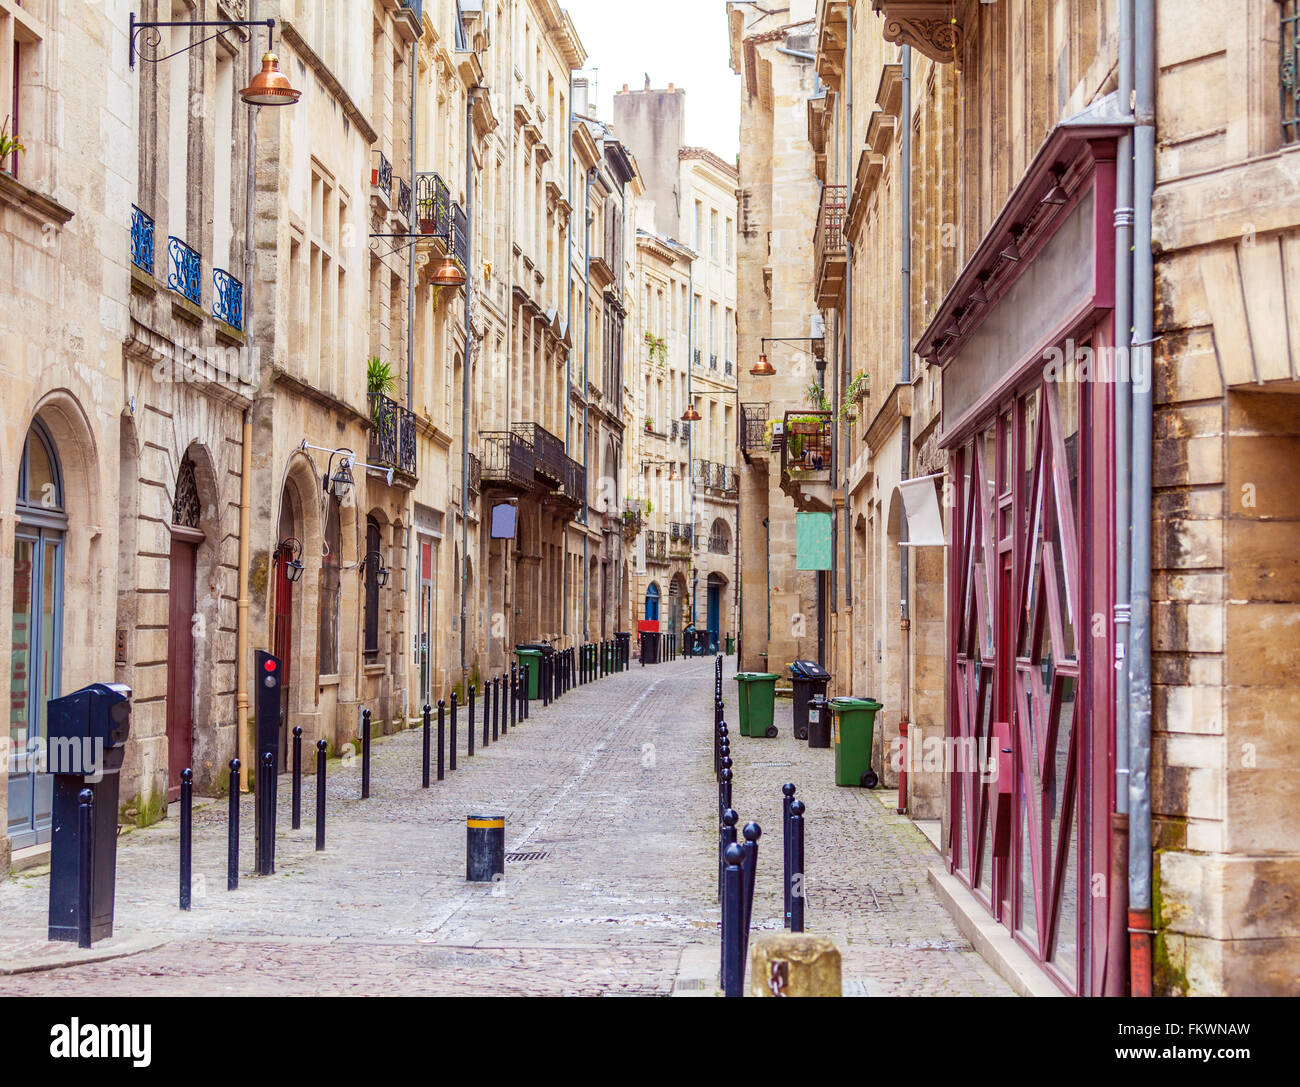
x=283, y=645
x=180, y=664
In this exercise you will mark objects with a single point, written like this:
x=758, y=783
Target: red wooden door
x=283, y=645
x=180, y=665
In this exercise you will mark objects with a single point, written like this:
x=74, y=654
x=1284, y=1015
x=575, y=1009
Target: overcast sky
x=676, y=41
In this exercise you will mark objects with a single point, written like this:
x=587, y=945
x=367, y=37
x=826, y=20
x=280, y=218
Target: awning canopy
x=924, y=517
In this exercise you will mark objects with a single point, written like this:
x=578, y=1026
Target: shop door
x=180, y=664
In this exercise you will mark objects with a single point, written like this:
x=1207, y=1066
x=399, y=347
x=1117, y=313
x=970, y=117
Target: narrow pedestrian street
x=609, y=799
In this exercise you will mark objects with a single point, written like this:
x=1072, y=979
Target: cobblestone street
x=611, y=787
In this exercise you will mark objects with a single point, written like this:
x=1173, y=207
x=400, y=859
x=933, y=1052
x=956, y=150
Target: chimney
x=581, y=92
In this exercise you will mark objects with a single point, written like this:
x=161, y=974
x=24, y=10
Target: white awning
x=924, y=517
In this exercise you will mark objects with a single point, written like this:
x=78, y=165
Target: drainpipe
x=411, y=593
x=246, y=462
x=1117, y=946
x=767, y=532
x=690, y=441
x=586, y=404
x=1144, y=182
x=464, y=416
x=568, y=362
x=846, y=364
x=905, y=458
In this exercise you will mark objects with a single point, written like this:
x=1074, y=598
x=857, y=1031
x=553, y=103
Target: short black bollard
x=733, y=959
x=514, y=694
x=724, y=788
x=487, y=707
x=321, y=748
x=526, y=671
x=752, y=834
x=428, y=740
x=232, y=830
x=297, y=777
x=451, y=745
x=726, y=836
x=365, y=754
x=787, y=796
x=485, y=848
x=498, y=710
x=442, y=737
x=187, y=835
x=266, y=783
x=796, y=866
x=469, y=728
x=85, y=863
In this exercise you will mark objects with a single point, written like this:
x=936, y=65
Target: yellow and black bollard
x=485, y=848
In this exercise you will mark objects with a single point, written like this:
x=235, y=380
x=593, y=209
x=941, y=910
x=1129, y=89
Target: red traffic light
x=270, y=666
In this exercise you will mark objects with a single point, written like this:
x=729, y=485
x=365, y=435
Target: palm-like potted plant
x=9, y=146
x=380, y=382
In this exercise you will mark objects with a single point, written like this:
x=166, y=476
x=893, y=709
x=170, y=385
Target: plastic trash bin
x=531, y=656
x=757, y=697
x=819, y=722
x=731, y=645
x=808, y=678
x=853, y=725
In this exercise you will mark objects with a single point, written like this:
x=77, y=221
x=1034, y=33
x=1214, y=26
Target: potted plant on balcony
x=649, y=424
x=379, y=382
x=9, y=145
x=805, y=424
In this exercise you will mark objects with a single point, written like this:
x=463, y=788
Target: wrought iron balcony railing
x=575, y=483
x=508, y=460
x=753, y=428
x=829, y=252
x=184, y=270
x=404, y=199
x=656, y=546
x=719, y=544
x=381, y=174
x=392, y=436
x=730, y=368
x=227, y=298
x=432, y=204
x=675, y=429
x=697, y=356
x=548, y=451
x=459, y=235
x=142, y=230
x=809, y=439
x=475, y=475
x=686, y=432
x=713, y=362
x=1290, y=71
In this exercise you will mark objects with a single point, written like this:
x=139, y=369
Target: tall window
x=713, y=235
x=330, y=582
x=1290, y=70
x=373, y=544
x=699, y=225
x=178, y=127
x=37, y=625
x=731, y=243
x=20, y=37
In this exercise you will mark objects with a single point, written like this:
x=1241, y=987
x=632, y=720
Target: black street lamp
x=290, y=550
x=375, y=561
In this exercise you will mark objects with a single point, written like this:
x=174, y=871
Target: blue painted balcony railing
x=184, y=270
x=227, y=298
x=415, y=7
x=141, y=240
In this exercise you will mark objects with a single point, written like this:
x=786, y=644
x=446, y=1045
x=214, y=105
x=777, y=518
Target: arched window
x=37, y=619
x=373, y=544
x=652, y=602
x=330, y=580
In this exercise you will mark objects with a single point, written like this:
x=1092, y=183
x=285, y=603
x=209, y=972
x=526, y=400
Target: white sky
x=683, y=42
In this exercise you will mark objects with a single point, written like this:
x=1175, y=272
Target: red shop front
x=1024, y=339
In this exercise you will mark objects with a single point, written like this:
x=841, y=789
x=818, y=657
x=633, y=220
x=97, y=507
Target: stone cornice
x=36, y=205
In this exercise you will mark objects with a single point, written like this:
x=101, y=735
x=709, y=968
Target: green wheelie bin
x=853, y=725
x=533, y=658
x=757, y=697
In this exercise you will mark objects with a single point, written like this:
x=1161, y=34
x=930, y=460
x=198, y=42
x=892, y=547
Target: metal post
x=297, y=777
x=724, y=786
x=442, y=738
x=514, y=697
x=320, y=795
x=86, y=863
x=796, y=866
x=498, y=718
x=726, y=836
x=752, y=834
x=452, y=744
x=523, y=691
x=266, y=785
x=428, y=727
x=787, y=796
x=365, y=754
x=469, y=728
x=232, y=830
x=187, y=835
x=733, y=961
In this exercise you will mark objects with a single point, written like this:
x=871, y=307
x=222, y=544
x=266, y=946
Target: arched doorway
x=652, y=603
x=36, y=666
x=186, y=536
x=713, y=611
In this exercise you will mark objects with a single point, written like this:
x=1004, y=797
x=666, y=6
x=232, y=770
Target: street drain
x=517, y=857
x=691, y=984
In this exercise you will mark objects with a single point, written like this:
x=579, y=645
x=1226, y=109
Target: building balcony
x=548, y=453
x=381, y=176
x=829, y=252
x=574, y=492
x=408, y=21
x=806, y=447
x=508, y=462
x=393, y=439
x=459, y=241
x=832, y=40
x=753, y=432
x=142, y=232
x=433, y=209
x=403, y=199
x=227, y=298
x=633, y=520
x=184, y=270
x=656, y=547
x=719, y=544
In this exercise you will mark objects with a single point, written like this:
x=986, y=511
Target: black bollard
x=451, y=746
x=85, y=863
x=428, y=740
x=297, y=777
x=787, y=795
x=187, y=835
x=365, y=754
x=266, y=845
x=469, y=728
x=514, y=694
x=485, y=848
x=726, y=836
x=796, y=866
x=487, y=706
x=733, y=961
x=523, y=691
x=232, y=830
x=321, y=747
x=442, y=737
x=752, y=834
x=544, y=679
x=724, y=788
x=498, y=710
